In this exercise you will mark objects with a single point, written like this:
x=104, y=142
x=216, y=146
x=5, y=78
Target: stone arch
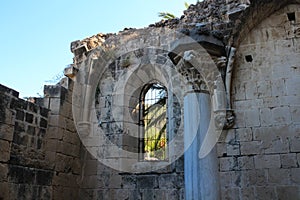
x=254, y=15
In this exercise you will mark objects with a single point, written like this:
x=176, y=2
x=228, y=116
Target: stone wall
x=39, y=148
x=259, y=158
x=42, y=156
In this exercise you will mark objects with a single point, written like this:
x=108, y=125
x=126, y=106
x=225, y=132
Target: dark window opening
x=153, y=120
x=249, y=58
x=291, y=16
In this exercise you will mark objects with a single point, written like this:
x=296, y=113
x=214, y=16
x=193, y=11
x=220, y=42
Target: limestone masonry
x=231, y=71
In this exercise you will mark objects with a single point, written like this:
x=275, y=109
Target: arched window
x=153, y=122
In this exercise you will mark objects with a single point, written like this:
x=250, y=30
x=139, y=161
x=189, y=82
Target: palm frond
x=166, y=15
x=186, y=5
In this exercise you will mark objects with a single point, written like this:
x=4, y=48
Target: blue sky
x=35, y=35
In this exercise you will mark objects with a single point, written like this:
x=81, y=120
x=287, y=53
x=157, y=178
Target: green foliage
x=166, y=15
x=186, y=5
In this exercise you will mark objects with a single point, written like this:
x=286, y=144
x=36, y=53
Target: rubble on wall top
x=214, y=16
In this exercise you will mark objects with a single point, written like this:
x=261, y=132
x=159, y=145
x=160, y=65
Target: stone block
x=53, y=91
x=56, y=121
x=227, y=136
x=288, y=192
x=44, y=177
x=115, y=181
x=247, y=193
x=5, y=150
x=91, y=182
x=66, y=110
x=246, y=162
x=281, y=115
x=51, y=145
x=230, y=194
x=226, y=179
x=271, y=102
x=3, y=172
x=87, y=194
x=129, y=182
x=20, y=115
x=70, y=125
x=279, y=176
x=147, y=182
x=295, y=144
x=278, y=88
x=233, y=149
x=251, y=90
x=148, y=194
x=267, y=161
x=21, y=175
x=263, y=193
x=288, y=160
x=252, y=118
x=251, y=148
x=90, y=167
x=290, y=100
x=237, y=178
x=292, y=86
x=170, y=181
x=170, y=194
x=6, y=132
x=295, y=112
x=63, y=163
x=68, y=149
x=18, y=104
x=276, y=146
x=244, y=134
x=248, y=178
x=64, y=192
x=239, y=93
x=71, y=137
x=295, y=175
x=50, y=157
x=121, y=194
x=5, y=191
x=29, y=118
x=266, y=117
x=66, y=180
x=54, y=132
x=274, y=139
x=264, y=89
x=228, y=163
x=240, y=119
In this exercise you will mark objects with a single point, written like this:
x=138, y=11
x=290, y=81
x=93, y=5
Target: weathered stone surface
x=265, y=193
x=290, y=192
x=267, y=161
x=41, y=156
x=288, y=160
x=5, y=150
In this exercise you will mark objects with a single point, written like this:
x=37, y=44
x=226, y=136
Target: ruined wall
x=39, y=147
x=25, y=168
x=136, y=64
x=259, y=158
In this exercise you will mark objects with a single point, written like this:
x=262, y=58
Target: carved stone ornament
x=217, y=86
x=224, y=119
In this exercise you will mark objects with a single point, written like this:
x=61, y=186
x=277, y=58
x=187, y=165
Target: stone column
x=201, y=175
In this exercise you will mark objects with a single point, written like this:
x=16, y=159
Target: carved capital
x=191, y=74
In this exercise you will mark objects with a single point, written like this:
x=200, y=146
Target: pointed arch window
x=153, y=122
